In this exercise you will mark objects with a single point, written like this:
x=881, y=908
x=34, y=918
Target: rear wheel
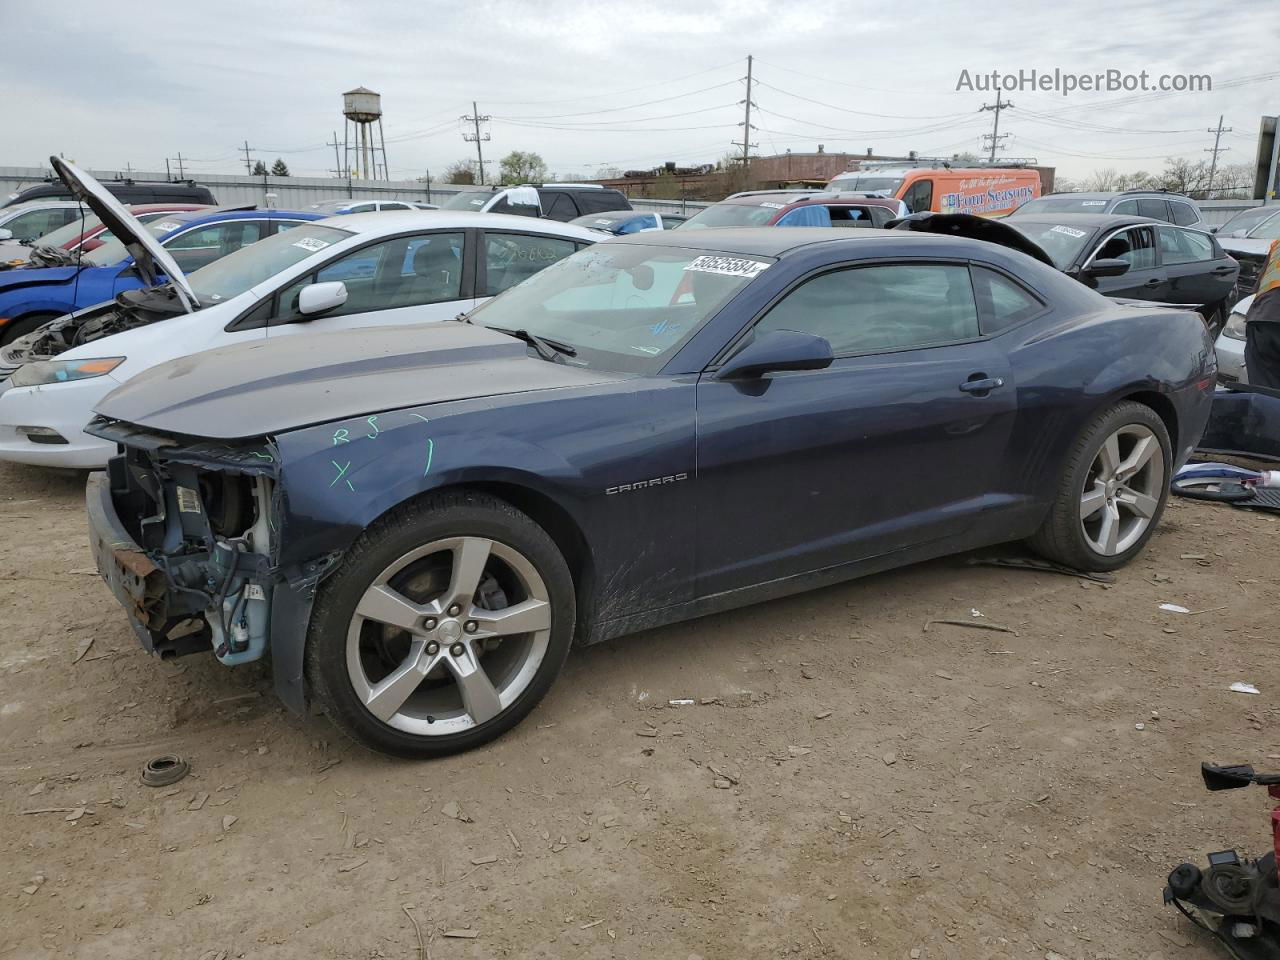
x=20, y=327
x=1112, y=492
x=446, y=624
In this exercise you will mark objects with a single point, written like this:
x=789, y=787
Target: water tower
x=362, y=134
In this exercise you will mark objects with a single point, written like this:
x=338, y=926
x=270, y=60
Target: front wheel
x=1112, y=493
x=445, y=625
x=24, y=325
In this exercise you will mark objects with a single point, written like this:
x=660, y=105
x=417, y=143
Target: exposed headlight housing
x=1234, y=327
x=62, y=371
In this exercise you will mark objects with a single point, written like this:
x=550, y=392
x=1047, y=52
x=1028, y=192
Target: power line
x=616, y=93
x=860, y=113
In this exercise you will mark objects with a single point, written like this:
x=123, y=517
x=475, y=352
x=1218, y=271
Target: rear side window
x=559, y=206
x=512, y=257
x=600, y=201
x=812, y=215
x=1184, y=246
x=1126, y=207
x=1002, y=303
x=1183, y=213
x=863, y=310
x=1155, y=208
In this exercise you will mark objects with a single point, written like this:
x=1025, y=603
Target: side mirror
x=317, y=298
x=1213, y=229
x=6, y=234
x=1107, y=267
x=777, y=350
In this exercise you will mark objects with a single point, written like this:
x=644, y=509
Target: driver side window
x=861, y=310
x=401, y=272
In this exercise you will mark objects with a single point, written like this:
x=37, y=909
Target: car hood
x=976, y=228
x=271, y=386
x=34, y=276
x=1254, y=248
x=149, y=257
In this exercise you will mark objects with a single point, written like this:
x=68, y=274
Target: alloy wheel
x=448, y=636
x=1122, y=491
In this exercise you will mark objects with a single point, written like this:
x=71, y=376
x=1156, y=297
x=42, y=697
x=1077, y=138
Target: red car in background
x=84, y=234
x=797, y=208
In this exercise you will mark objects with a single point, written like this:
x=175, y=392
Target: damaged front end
x=131, y=309
x=184, y=532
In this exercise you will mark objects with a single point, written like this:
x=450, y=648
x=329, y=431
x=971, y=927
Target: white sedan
x=347, y=271
x=1230, y=344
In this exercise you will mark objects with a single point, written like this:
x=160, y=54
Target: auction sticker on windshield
x=312, y=244
x=728, y=266
x=771, y=205
x=168, y=225
x=1069, y=231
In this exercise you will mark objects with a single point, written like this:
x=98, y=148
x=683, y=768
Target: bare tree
x=460, y=171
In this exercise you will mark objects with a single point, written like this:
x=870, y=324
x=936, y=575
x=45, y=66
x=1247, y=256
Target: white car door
x=407, y=279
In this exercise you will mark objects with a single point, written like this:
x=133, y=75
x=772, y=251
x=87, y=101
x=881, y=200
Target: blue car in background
x=32, y=297
x=622, y=222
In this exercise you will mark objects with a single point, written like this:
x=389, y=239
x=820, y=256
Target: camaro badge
x=642, y=484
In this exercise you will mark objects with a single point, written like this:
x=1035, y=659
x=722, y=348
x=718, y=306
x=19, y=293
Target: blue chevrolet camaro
x=33, y=296
x=416, y=524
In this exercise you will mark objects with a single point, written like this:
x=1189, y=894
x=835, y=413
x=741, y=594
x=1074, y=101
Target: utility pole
x=180, y=168
x=995, y=136
x=128, y=170
x=168, y=175
x=1215, y=150
x=248, y=166
x=337, y=163
x=746, y=143
x=475, y=120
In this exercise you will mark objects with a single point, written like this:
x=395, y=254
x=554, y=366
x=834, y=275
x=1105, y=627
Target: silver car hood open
x=149, y=257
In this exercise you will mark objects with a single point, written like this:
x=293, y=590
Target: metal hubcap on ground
x=1122, y=490
x=427, y=651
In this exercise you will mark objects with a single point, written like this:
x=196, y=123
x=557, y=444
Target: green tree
x=521, y=167
x=279, y=168
x=259, y=169
x=459, y=172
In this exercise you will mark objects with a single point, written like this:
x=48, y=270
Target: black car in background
x=126, y=191
x=1156, y=204
x=1132, y=257
x=554, y=201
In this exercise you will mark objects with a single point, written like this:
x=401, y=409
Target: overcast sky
x=595, y=84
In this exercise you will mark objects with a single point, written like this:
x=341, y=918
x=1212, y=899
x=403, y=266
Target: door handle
x=1222, y=270
x=981, y=386
x=1154, y=282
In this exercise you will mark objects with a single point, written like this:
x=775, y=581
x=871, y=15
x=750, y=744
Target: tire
x=463, y=675
x=24, y=325
x=1089, y=496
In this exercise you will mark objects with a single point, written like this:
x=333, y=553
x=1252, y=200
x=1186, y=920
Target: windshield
x=247, y=267
x=468, y=200
x=867, y=184
x=622, y=307
x=1247, y=222
x=1061, y=242
x=733, y=215
x=1063, y=205
x=113, y=251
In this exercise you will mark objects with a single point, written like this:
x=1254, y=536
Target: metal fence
x=299, y=193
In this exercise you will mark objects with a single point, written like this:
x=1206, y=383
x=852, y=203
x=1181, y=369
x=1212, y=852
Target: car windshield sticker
x=772, y=206
x=1093, y=203
x=167, y=225
x=312, y=244
x=603, y=223
x=478, y=202
x=728, y=266
x=1069, y=231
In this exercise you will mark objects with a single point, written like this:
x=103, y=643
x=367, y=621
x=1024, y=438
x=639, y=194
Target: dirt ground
x=891, y=792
